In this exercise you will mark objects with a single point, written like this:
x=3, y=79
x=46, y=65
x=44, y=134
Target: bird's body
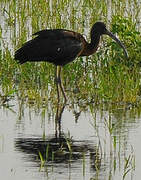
x=60, y=46
x=57, y=46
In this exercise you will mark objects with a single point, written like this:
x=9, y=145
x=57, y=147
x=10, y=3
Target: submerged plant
x=129, y=164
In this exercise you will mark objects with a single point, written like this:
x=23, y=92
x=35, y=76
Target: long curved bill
x=118, y=41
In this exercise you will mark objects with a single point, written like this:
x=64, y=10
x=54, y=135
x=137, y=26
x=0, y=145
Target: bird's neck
x=91, y=47
x=95, y=38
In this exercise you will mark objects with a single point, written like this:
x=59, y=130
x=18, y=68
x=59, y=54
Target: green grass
x=105, y=76
x=105, y=80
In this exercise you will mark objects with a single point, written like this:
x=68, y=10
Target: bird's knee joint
x=58, y=80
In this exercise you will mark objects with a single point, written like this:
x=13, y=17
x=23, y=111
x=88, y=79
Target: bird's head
x=99, y=28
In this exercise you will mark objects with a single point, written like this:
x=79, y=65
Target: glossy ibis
x=61, y=46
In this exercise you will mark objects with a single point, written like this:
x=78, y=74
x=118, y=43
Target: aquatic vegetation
x=104, y=76
x=105, y=85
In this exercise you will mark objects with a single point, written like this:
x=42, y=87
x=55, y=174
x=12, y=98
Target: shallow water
x=104, y=141
x=22, y=139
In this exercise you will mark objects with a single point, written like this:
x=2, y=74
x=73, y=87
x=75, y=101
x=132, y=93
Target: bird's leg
x=59, y=83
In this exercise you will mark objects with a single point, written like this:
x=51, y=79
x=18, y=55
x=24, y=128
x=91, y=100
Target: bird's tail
x=20, y=56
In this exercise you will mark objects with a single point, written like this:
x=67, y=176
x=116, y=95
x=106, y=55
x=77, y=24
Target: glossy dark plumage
x=60, y=46
x=56, y=46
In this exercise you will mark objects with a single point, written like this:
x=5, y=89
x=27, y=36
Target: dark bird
x=60, y=47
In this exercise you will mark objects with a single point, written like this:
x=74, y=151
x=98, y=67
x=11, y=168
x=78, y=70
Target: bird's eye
x=59, y=49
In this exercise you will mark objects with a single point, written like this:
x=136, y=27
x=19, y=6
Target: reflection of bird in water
x=57, y=150
x=77, y=115
x=58, y=117
x=60, y=47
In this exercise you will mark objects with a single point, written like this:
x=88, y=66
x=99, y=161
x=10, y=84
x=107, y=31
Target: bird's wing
x=56, y=46
x=54, y=33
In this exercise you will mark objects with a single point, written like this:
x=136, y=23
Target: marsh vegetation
x=96, y=135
